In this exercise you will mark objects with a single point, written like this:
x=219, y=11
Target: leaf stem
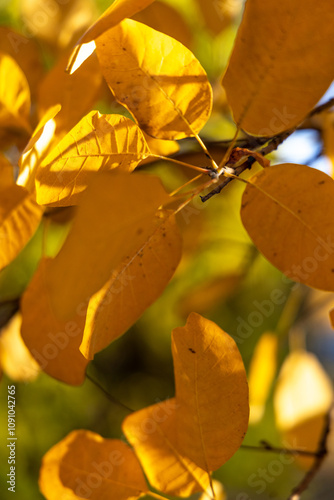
x=179, y=162
x=109, y=396
x=156, y=495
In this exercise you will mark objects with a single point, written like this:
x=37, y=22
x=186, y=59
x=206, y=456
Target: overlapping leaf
x=97, y=142
x=212, y=393
x=118, y=10
x=158, y=79
x=116, y=217
x=291, y=227
x=134, y=286
x=278, y=70
x=53, y=343
x=6, y=173
x=84, y=465
x=19, y=218
x=152, y=433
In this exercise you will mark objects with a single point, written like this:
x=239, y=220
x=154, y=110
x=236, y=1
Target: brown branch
x=265, y=446
x=319, y=458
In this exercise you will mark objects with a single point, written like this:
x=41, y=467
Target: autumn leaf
x=261, y=374
x=293, y=230
x=152, y=433
x=303, y=396
x=75, y=93
x=278, y=71
x=6, y=173
x=19, y=218
x=212, y=393
x=14, y=98
x=115, y=217
x=97, y=142
x=52, y=342
x=118, y=10
x=84, y=465
x=134, y=286
x=156, y=78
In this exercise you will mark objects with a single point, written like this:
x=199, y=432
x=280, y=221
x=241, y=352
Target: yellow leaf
x=19, y=218
x=152, y=433
x=212, y=391
x=156, y=78
x=6, y=173
x=160, y=147
x=219, y=14
x=293, y=229
x=218, y=489
x=75, y=93
x=14, y=96
x=26, y=53
x=303, y=396
x=119, y=10
x=134, y=286
x=115, y=217
x=15, y=359
x=53, y=343
x=281, y=64
x=261, y=374
x=166, y=19
x=84, y=465
x=97, y=142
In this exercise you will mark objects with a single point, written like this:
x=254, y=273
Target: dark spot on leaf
x=164, y=235
x=299, y=211
x=123, y=48
x=321, y=182
x=192, y=350
x=140, y=231
x=332, y=270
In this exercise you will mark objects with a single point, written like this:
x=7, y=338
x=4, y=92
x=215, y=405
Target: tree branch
x=265, y=446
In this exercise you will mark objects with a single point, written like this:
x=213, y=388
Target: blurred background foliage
x=221, y=276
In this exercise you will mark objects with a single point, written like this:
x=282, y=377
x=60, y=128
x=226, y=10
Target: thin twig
x=109, y=396
x=319, y=458
x=265, y=446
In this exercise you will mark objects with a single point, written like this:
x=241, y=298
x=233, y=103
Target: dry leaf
x=53, y=343
x=156, y=78
x=212, y=393
x=115, y=217
x=134, y=286
x=278, y=71
x=293, y=230
x=97, y=142
x=84, y=465
x=152, y=433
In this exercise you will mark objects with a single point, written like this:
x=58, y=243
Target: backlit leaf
x=303, y=396
x=156, y=78
x=118, y=10
x=14, y=96
x=293, y=229
x=75, y=93
x=97, y=142
x=278, y=71
x=261, y=374
x=84, y=465
x=212, y=392
x=19, y=218
x=218, y=14
x=135, y=285
x=115, y=217
x=6, y=173
x=53, y=343
x=15, y=359
x=152, y=433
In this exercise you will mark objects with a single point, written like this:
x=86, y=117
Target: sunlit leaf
x=293, y=230
x=219, y=14
x=118, y=10
x=115, y=217
x=166, y=19
x=277, y=71
x=152, y=433
x=156, y=78
x=97, y=142
x=14, y=96
x=303, y=396
x=52, y=342
x=261, y=374
x=134, y=286
x=75, y=93
x=160, y=147
x=84, y=465
x=19, y=218
x=212, y=391
x=15, y=359
x=26, y=53
x=218, y=488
